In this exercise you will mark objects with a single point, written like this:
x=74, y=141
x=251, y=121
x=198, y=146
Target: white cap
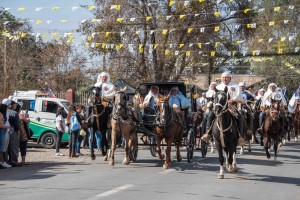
x=6, y=101
x=213, y=83
x=262, y=90
x=242, y=84
x=272, y=84
x=203, y=93
x=226, y=74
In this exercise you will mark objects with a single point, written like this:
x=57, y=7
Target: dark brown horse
x=225, y=133
x=272, y=128
x=170, y=128
x=297, y=122
x=123, y=122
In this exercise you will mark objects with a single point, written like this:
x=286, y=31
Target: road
x=257, y=178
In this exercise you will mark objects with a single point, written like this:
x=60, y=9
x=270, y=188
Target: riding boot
x=261, y=120
x=210, y=118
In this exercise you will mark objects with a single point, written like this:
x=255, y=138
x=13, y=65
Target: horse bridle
x=170, y=114
x=123, y=106
x=224, y=107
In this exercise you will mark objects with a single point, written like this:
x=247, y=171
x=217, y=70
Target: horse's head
x=94, y=96
x=275, y=109
x=120, y=102
x=221, y=101
x=164, y=110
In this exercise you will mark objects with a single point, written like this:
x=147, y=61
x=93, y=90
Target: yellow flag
x=233, y=53
x=199, y=45
x=187, y=53
x=282, y=39
x=171, y=3
x=164, y=32
x=63, y=21
x=121, y=45
x=140, y=46
x=155, y=45
x=118, y=7
x=120, y=20
x=190, y=30
x=280, y=51
x=92, y=7
x=141, y=50
x=181, y=16
x=87, y=44
x=97, y=44
x=38, y=21
x=44, y=34
x=107, y=34
x=201, y=1
x=246, y=10
x=148, y=18
x=23, y=35
x=217, y=28
x=21, y=9
x=217, y=14
x=238, y=42
x=53, y=34
x=249, y=25
x=253, y=53
x=103, y=46
x=167, y=52
x=89, y=38
x=217, y=44
x=276, y=9
x=55, y=8
x=271, y=23
x=229, y=1
x=260, y=40
x=117, y=47
x=212, y=54
x=58, y=37
x=181, y=45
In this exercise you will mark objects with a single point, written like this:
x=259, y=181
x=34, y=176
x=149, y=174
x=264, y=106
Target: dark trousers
x=23, y=147
x=13, y=149
x=72, y=141
x=59, y=135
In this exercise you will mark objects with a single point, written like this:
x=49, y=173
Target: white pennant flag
x=151, y=32
x=207, y=43
x=261, y=10
x=112, y=46
x=122, y=33
x=74, y=8
x=291, y=7
x=132, y=19
x=38, y=9
x=82, y=21
x=113, y=7
x=190, y=45
x=297, y=49
x=151, y=46
x=171, y=46
x=176, y=53
x=292, y=38
x=202, y=30
x=92, y=44
x=7, y=9
x=171, y=30
x=286, y=21
x=244, y=53
x=200, y=52
x=49, y=21
x=237, y=26
x=196, y=15
x=168, y=17
x=93, y=34
x=270, y=40
x=186, y=3
x=130, y=47
x=232, y=12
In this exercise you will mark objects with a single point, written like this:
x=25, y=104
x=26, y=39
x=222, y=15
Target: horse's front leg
x=266, y=144
x=221, y=158
x=168, y=153
x=91, y=139
x=158, y=148
x=276, y=144
x=113, y=144
x=128, y=145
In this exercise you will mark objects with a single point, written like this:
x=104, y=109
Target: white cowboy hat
x=226, y=74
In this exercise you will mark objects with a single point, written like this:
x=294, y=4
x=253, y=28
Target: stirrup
x=241, y=141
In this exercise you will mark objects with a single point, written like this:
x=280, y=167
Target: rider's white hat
x=242, y=84
x=213, y=83
x=262, y=90
x=226, y=74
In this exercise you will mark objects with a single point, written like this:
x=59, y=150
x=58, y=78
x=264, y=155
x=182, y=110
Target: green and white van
x=42, y=113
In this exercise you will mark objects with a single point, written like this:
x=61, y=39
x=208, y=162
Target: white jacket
x=233, y=90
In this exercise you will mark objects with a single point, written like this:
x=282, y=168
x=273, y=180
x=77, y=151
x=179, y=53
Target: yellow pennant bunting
x=199, y=45
x=164, y=32
x=55, y=8
x=23, y=35
x=137, y=32
x=155, y=46
x=280, y=51
x=53, y=34
x=233, y=53
x=217, y=44
x=118, y=7
x=190, y=30
x=246, y=10
x=44, y=35
x=140, y=46
x=120, y=20
x=92, y=7
x=103, y=46
x=260, y=40
x=201, y=1
x=229, y=1
x=141, y=50
x=187, y=53
x=181, y=16
x=58, y=37
x=217, y=28
x=89, y=38
x=107, y=34
x=148, y=18
x=181, y=45
x=38, y=21
x=282, y=39
x=217, y=14
x=87, y=44
x=63, y=21
x=212, y=54
x=167, y=52
x=171, y=3
x=271, y=23
x=21, y=9
x=97, y=44
x=276, y=9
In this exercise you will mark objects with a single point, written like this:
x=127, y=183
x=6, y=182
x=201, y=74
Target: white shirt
x=60, y=118
x=201, y=102
x=107, y=89
x=233, y=90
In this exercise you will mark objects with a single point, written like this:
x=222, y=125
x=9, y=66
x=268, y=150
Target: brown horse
x=170, y=128
x=123, y=122
x=272, y=128
x=297, y=122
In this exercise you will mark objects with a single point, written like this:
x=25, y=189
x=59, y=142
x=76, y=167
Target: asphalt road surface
x=145, y=179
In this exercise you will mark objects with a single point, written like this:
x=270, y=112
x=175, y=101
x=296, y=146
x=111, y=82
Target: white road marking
x=110, y=192
x=166, y=171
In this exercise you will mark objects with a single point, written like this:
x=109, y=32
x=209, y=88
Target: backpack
x=75, y=125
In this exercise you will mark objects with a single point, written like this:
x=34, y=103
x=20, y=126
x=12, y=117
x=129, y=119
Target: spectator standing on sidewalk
x=3, y=128
x=60, y=129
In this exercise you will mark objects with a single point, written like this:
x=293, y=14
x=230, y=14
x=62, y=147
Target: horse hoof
x=234, y=168
x=105, y=158
x=111, y=163
x=125, y=162
x=268, y=157
x=166, y=166
x=212, y=151
x=220, y=176
x=93, y=157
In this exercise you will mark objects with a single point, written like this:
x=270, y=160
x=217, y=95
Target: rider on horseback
x=294, y=101
x=234, y=97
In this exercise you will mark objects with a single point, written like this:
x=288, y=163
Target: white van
x=42, y=113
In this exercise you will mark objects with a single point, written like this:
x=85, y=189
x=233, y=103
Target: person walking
x=74, y=131
x=60, y=129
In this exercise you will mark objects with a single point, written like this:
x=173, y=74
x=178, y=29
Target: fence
x=80, y=97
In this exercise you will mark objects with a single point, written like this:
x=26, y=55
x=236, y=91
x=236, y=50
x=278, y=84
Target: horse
x=225, y=132
x=98, y=116
x=123, y=122
x=169, y=127
x=272, y=128
x=247, y=126
x=296, y=122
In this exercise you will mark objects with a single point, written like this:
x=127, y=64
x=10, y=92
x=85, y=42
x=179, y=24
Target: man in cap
x=245, y=104
x=107, y=89
x=202, y=101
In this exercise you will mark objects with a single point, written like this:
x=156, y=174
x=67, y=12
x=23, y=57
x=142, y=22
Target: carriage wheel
x=203, y=148
x=190, y=145
x=153, y=144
